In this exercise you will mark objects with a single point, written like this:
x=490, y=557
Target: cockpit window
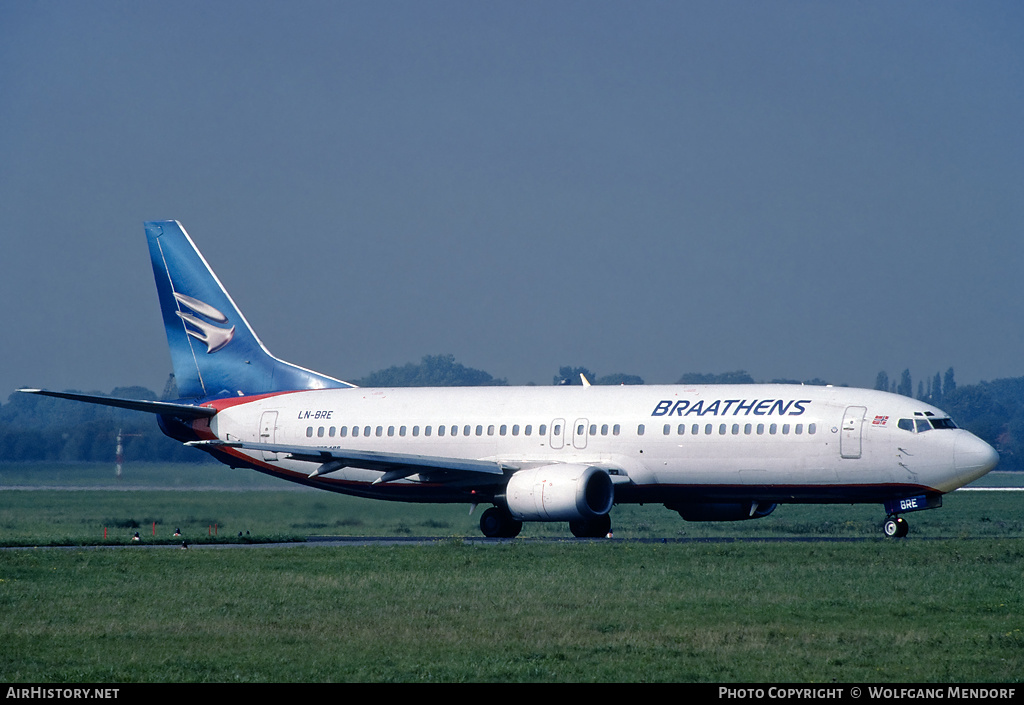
x=920, y=425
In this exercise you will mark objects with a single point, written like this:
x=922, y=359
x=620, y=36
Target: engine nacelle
x=725, y=511
x=561, y=492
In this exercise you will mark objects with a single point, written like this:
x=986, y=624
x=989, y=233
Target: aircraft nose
x=973, y=457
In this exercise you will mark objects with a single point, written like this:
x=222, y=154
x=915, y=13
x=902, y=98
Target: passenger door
x=853, y=425
x=268, y=431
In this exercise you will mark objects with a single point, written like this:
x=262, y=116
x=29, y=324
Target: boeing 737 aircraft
x=563, y=453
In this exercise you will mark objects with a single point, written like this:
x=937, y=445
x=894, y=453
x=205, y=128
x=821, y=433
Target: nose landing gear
x=895, y=527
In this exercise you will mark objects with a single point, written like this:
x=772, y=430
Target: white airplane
x=560, y=453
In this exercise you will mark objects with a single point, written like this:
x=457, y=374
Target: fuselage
x=666, y=444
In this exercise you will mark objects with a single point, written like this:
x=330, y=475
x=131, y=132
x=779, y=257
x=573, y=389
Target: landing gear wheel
x=896, y=527
x=591, y=528
x=497, y=523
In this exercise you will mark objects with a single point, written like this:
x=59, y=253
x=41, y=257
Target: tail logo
x=215, y=337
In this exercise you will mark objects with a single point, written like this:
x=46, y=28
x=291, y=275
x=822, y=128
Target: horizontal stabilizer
x=164, y=408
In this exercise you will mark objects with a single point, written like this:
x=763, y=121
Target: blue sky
x=796, y=189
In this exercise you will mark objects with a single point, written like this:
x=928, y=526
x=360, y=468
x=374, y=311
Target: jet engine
x=726, y=511
x=561, y=492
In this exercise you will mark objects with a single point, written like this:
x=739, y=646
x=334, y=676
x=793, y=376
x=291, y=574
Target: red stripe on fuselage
x=202, y=426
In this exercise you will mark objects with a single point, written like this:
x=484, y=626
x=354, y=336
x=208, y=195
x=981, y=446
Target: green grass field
x=942, y=611
x=880, y=610
x=267, y=509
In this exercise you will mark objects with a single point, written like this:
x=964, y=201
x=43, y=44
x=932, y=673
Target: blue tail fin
x=213, y=349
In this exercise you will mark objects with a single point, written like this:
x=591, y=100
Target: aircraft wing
x=395, y=466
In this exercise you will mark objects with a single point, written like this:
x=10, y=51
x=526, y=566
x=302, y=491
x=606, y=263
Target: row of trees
x=935, y=391
x=36, y=428
x=432, y=371
x=443, y=371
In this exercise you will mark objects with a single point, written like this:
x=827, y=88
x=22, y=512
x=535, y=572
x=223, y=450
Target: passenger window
x=707, y=429
x=773, y=429
x=355, y=431
x=615, y=430
x=681, y=430
x=735, y=429
x=604, y=429
x=440, y=430
x=366, y=430
x=695, y=429
x=721, y=429
x=593, y=429
x=344, y=431
x=401, y=430
x=426, y=430
x=799, y=429
x=812, y=428
x=542, y=430
x=640, y=430
x=760, y=429
x=529, y=430
x=785, y=429
x=515, y=429
x=309, y=432
x=747, y=429
x=415, y=431
x=320, y=432
x=503, y=430
x=391, y=431
x=667, y=429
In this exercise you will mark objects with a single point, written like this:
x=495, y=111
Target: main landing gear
x=595, y=528
x=895, y=527
x=496, y=523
